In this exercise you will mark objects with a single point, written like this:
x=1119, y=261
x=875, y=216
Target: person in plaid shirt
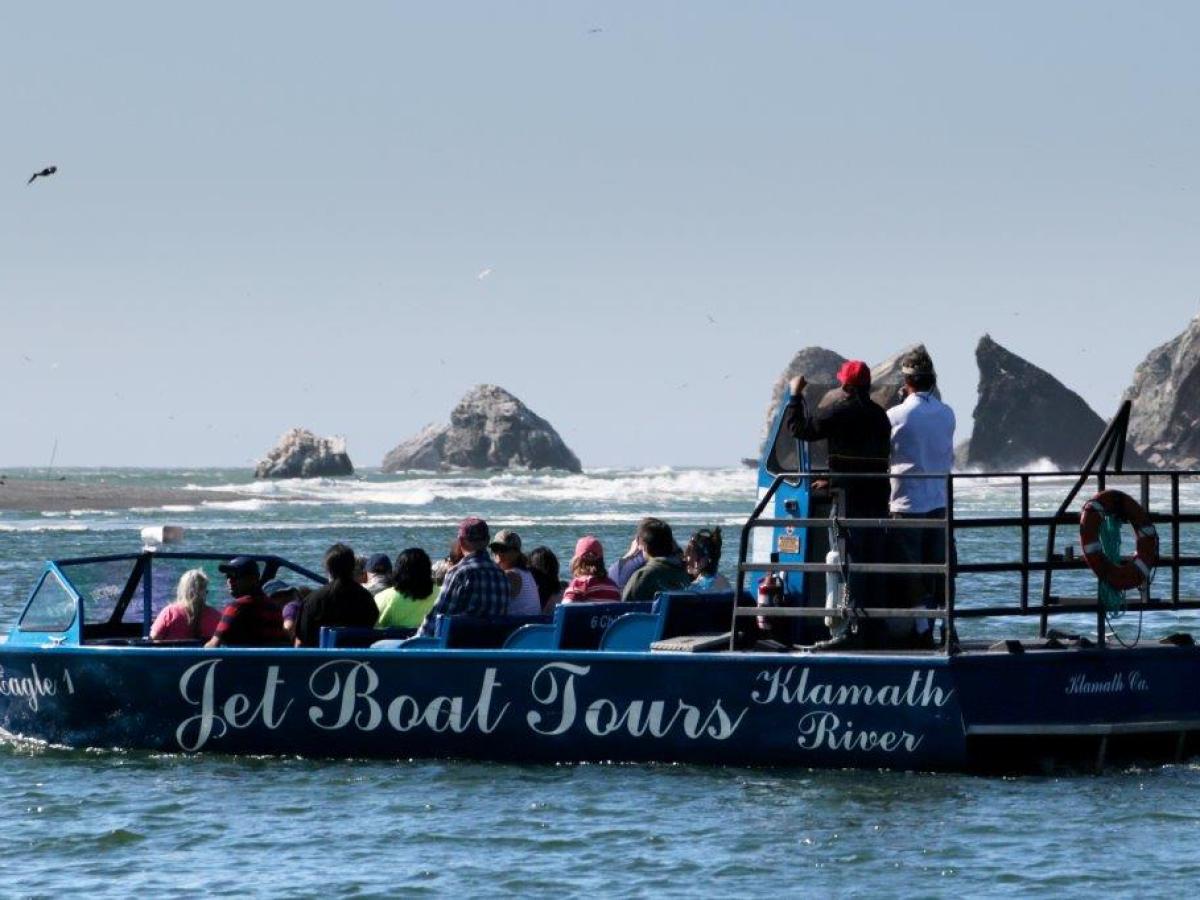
x=474, y=587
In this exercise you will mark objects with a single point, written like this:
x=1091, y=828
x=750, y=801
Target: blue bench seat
x=675, y=613
x=576, y=626
x=344, y=636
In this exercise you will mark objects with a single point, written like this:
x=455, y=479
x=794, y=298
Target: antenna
x=50, y=465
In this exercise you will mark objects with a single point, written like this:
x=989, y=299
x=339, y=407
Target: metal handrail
x=1026, y=565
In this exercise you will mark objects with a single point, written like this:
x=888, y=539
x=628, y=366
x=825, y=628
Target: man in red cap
x=859, y=437
x=476, y=586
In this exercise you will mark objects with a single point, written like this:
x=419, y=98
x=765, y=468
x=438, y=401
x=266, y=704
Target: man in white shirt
x=922, y=442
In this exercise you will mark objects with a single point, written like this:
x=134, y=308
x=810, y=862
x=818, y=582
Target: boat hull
x=912, y=712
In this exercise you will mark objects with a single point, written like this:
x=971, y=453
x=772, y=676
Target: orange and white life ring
x=1121, y=575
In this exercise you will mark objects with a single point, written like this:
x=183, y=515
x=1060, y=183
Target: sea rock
x=816, y=364
x=301, y=454
x=887, y=379
x=1164, y=425
x=1025, y=414
x=489, y=429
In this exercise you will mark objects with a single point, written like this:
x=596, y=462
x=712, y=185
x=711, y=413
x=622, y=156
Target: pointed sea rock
x=489, y=429
x=1025, y=414
x=1164, y=425
x=302, y=454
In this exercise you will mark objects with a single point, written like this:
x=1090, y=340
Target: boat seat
x=344, y=636
x=674, y=613
x=470, y=632
x=576, y=626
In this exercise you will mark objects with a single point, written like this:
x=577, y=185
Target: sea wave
x=601, y=487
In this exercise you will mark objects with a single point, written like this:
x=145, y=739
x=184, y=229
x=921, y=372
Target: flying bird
x=484, y=273
x=596, y=30
x=710, y=319
x=45, y=173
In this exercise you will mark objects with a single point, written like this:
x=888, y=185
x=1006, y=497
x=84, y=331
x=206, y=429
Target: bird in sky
x=595, y=30
x=710, y=319
x=45, y=173
x=484, y=273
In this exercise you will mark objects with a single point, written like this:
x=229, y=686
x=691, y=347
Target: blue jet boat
x=691, y=678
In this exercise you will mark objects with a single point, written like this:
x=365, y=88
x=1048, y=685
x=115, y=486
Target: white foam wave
x=629, y=487
x=31, y=528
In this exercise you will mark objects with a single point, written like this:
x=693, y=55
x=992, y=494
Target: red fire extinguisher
x=770, y=594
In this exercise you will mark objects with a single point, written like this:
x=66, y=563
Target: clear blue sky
x=271, y=214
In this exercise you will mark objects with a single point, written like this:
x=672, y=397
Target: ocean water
x=108, y=823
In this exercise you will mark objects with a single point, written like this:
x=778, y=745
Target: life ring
x=1124, y=575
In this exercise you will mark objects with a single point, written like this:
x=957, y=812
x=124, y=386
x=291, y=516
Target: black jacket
x=860, y=440
x=339, y=603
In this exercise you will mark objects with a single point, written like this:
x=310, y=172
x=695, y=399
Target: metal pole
x=949, y=535
x=1175, y=537
x=1024, y=543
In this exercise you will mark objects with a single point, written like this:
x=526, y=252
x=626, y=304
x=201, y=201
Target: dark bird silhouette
x=595, y=30
x=45, y=173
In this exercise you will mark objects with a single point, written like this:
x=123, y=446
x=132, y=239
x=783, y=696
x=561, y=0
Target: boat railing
x=1026, y=566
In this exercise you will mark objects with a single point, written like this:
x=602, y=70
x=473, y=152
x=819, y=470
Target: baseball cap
x=239, y=565
x=473, y=529
x=589, y=545
x=379, y=564
x=855, y=373
x=506, y=539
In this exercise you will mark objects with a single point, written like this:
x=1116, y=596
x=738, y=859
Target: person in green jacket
x=412, y=594
x=663, y=571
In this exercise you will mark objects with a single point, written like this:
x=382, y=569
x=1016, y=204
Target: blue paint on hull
x=911, y=712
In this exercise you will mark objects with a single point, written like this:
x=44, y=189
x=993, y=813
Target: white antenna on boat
x=50, y=465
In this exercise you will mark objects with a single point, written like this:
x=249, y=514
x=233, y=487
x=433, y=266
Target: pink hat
x=589, y=545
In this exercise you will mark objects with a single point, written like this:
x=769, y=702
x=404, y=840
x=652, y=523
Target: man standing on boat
x=476, y=586
x=859, y=435
x=922, y=442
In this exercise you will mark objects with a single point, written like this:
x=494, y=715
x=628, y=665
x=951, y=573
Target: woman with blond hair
x=189, y=616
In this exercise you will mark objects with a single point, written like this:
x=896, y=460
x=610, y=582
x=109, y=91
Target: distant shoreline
x=52, y=495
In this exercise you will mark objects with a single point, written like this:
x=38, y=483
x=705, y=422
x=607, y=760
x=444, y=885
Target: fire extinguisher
x=770, y=594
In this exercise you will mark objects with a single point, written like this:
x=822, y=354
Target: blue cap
x=239, y=565
x=379, y=564
x=276, y=586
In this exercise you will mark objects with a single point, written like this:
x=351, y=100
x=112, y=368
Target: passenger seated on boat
x=589, y=583
x=379, y=574
x=701, y=556
x=412, y=594
x=442, y=567
x=922, y=441
x=291, y=611
x=523, y=597
x=859, y=436
x=543, y=566
x=635, y=557
x=663, y=570
x=250, y=620
x=189, y=616
x=341, y=602
x=476, y=586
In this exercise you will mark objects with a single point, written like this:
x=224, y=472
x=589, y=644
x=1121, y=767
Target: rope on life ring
x=1122, y=575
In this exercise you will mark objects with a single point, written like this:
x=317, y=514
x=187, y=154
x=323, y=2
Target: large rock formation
x=1164, y=425
x=818, y=365
x=887, y=379
x=489, y=429
x=1025, y=414
x=301, y=454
